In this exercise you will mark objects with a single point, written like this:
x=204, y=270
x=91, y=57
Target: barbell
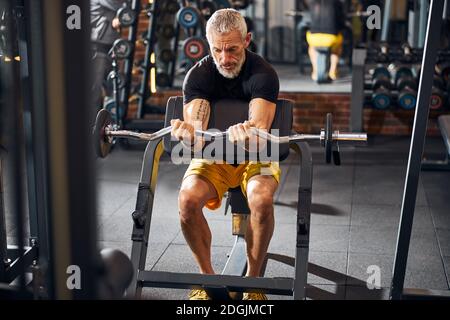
x=105, y=131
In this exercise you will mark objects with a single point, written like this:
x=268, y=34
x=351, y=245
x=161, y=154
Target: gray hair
x=224, y=21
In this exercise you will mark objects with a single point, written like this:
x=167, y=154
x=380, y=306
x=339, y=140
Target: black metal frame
x=414, y=162
x=54, y=65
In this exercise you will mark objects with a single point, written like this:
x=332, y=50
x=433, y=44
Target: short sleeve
x=197, y=84
x=265, y=85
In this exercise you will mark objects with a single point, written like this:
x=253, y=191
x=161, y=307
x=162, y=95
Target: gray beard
x=229, y=74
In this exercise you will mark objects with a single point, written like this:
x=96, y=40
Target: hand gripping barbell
x=105, y=131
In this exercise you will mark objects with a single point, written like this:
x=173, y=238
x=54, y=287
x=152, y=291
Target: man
x=104, y=31
x=230, y=71
x=327, y=22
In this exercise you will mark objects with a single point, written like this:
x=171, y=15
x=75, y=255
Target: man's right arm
x=196, y=117
x=197, y=113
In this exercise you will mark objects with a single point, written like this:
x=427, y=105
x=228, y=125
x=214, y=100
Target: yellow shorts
x=325, y=40
x=225, y=176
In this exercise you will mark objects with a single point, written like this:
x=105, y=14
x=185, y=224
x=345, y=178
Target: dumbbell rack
x=139, y=123
x=366, y=58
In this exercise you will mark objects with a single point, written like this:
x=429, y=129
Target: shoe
x=314, y=77
x=254, y=296
x=198, y=294
x=333, y=75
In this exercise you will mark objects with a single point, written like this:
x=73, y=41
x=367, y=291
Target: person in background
x=327, y=23
x=104, y=31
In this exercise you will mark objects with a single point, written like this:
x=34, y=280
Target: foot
x=254, y=296
x=198, y=294
x=314, y=76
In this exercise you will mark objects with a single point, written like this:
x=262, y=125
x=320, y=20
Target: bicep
x=261, y=112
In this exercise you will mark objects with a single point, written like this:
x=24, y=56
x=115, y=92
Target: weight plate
x=122, y=48
x=166, y=55
x=188, y=17
x=381, y=101
x=102, y=142
x=407, y=100
x=195, y=48
x=126, y=16
x=381, y=72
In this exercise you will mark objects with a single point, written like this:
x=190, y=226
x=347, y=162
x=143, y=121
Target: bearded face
x=228, y=52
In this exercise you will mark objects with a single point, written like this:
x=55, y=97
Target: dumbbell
x=122, y=48
x=126, y=16
x=407, y=88
x=438, y=94
x=381, y=88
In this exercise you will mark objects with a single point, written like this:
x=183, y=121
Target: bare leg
x=260, y=191
x=195, y=192
x=313, y=57
x=334, y=61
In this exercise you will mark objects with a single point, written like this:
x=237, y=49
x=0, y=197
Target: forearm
x=197, y=113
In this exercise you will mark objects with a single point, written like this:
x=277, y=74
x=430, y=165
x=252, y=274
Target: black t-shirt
x=327, y=16
x=257, y=79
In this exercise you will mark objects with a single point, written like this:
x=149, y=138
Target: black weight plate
x=122, y=48
x=381, y=72
x=166, y=55
x=406, y=84
x=403, y=72
x=126, y=16
x=102, y=143
x=172, y=7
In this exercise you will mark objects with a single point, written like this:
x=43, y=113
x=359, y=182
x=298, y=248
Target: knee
x=261, y=206
x=189, y=205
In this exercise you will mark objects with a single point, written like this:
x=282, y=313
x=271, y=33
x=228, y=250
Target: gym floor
x=355, y=217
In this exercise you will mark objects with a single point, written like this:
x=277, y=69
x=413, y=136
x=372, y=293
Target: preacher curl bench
x=223, y=114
